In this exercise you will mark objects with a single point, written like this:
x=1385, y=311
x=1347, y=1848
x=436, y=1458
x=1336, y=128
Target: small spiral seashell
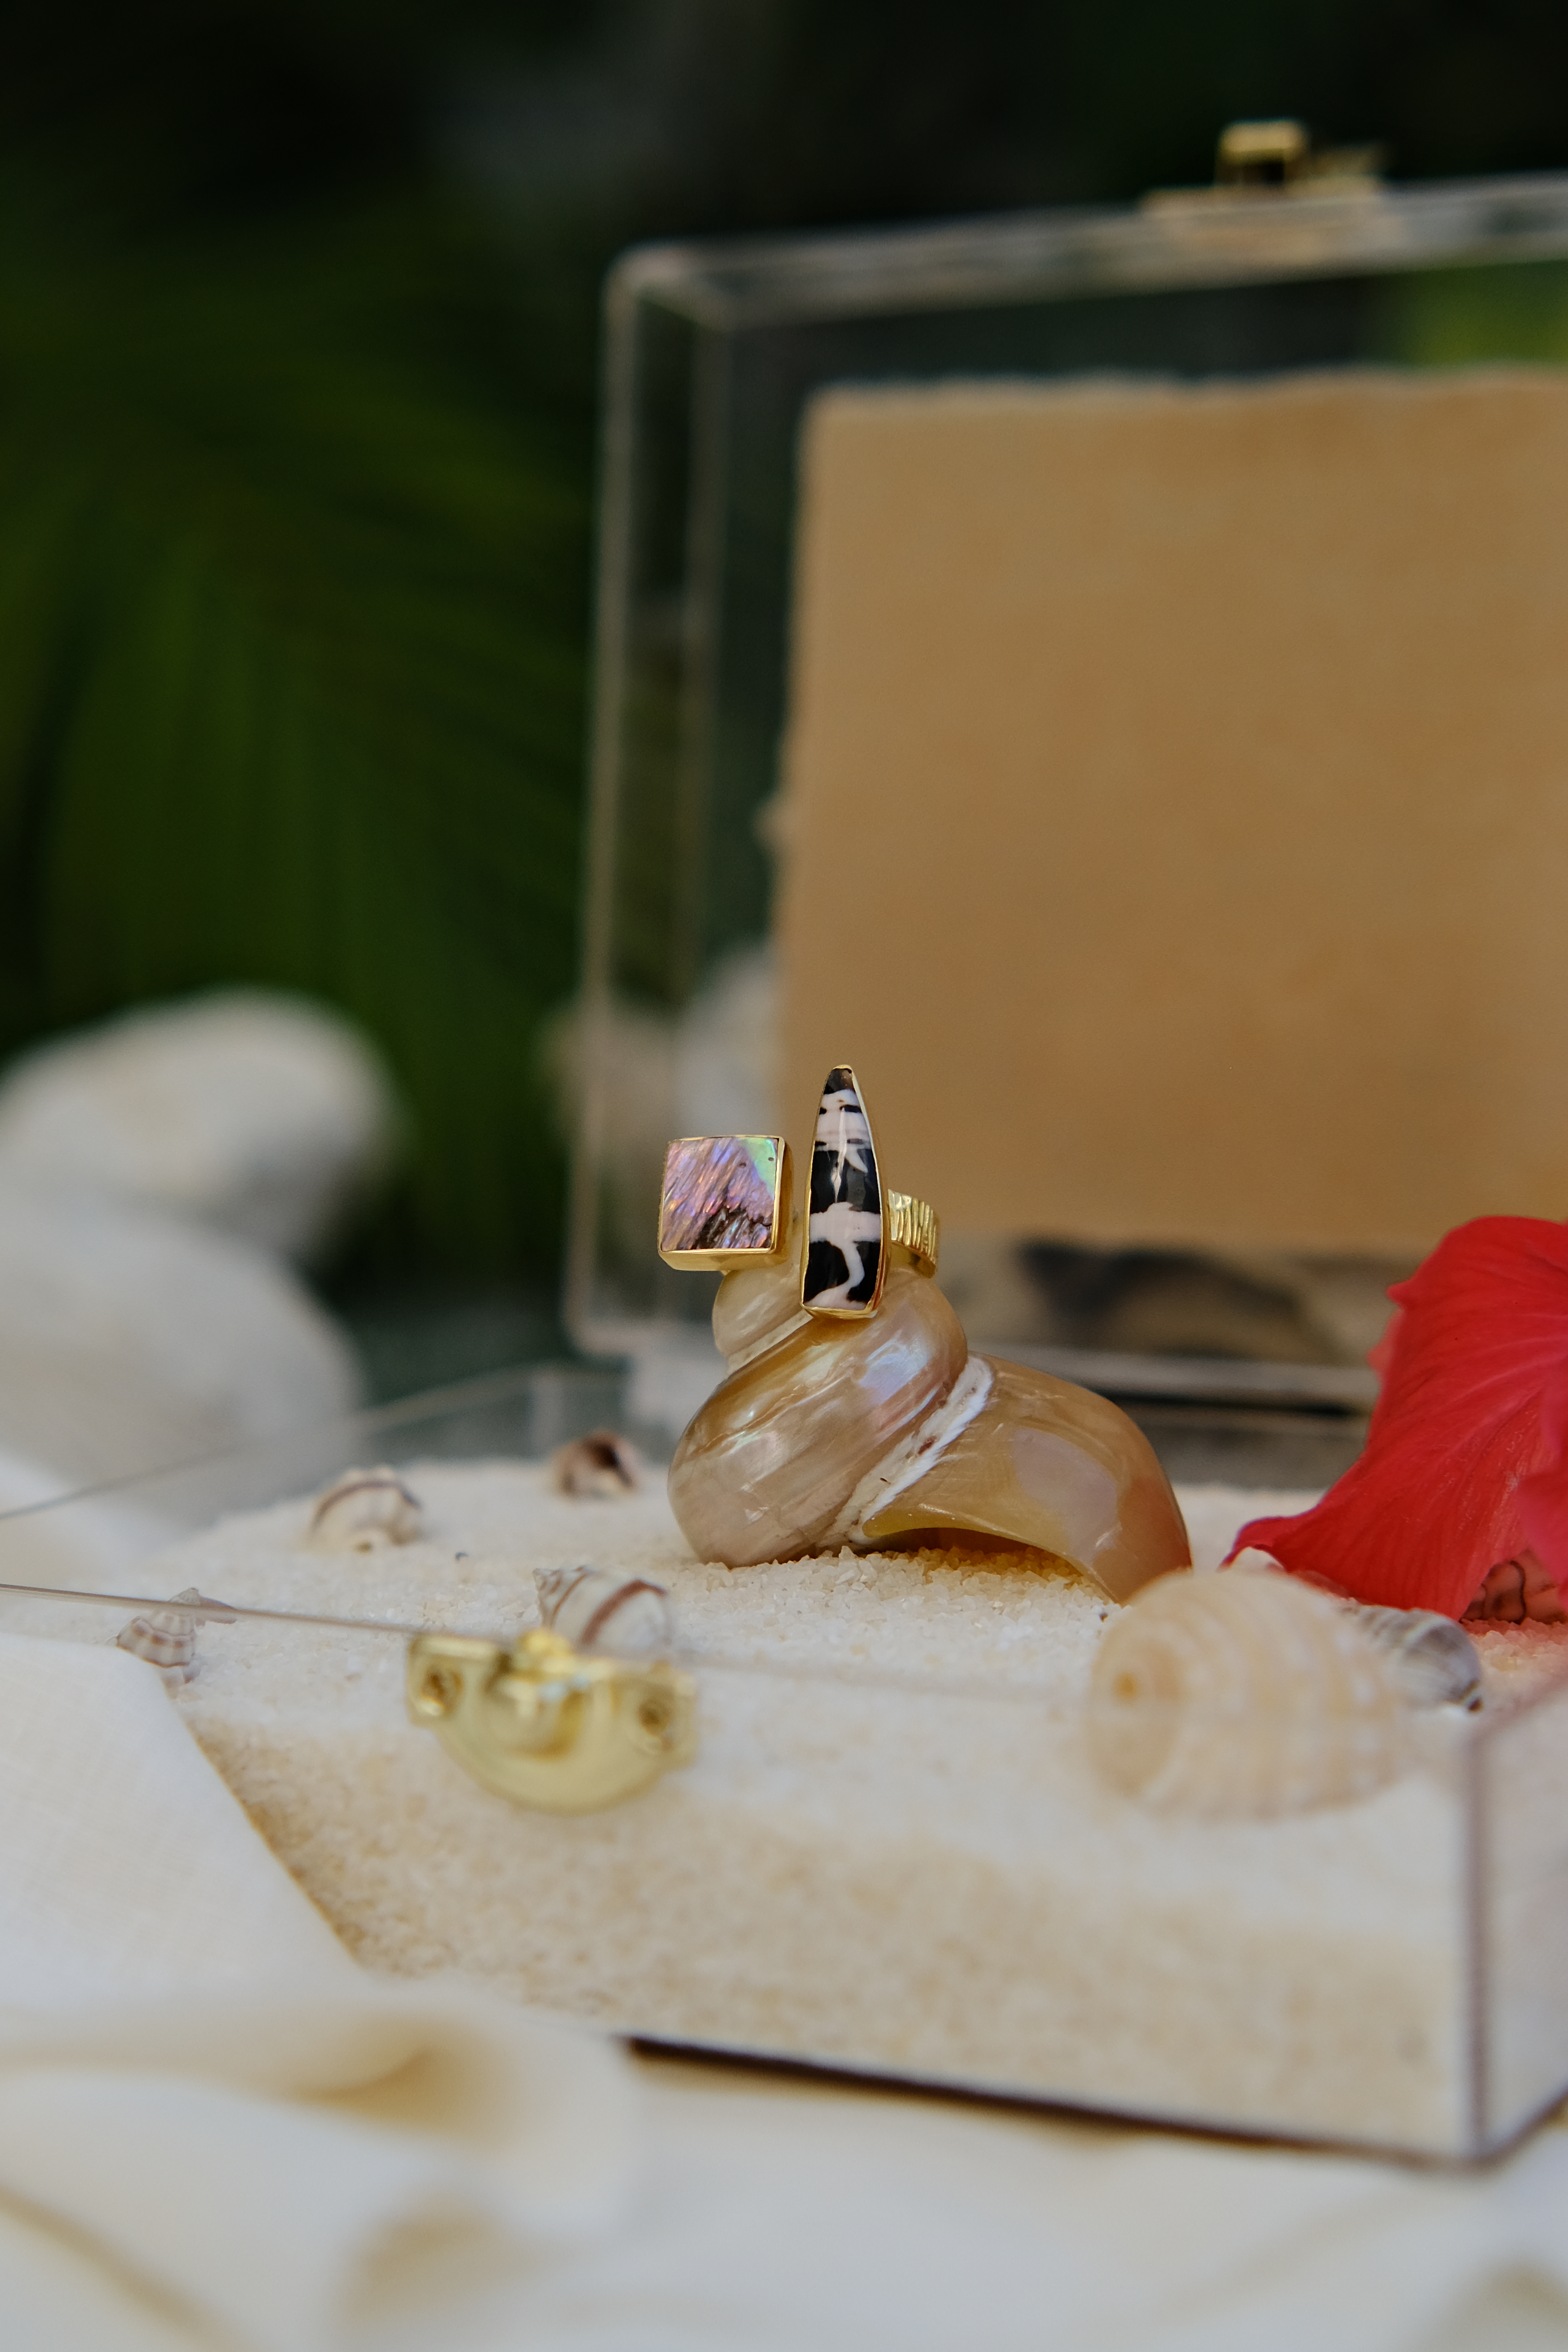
x=598, y=1608
x=1243, y=1693
x=1431, y=1661
x=166, y=1638
x=365, y=1510
x=600, y=1467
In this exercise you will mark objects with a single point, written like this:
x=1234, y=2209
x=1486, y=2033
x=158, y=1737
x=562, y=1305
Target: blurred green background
x=298, y=349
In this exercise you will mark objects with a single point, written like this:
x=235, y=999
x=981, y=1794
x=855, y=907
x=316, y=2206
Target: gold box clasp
x=547, y=1726
x=1281, y=154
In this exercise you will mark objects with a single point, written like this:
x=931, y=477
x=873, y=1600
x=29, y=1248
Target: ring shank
x=914, y=1232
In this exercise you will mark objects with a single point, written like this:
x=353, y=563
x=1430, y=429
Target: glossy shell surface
x=1241, y=1693
x=766, y=1466
x=886, y=1431
x=1053, y=1466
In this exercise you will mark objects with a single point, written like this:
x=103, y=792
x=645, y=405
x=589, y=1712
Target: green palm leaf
x=292, y=612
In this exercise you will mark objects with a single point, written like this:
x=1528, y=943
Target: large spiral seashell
x=363, y=1511
x=599, y=1609
x=1241, y=1693
x=888, y=1429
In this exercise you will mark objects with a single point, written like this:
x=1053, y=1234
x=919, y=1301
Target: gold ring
x=914, y=1232
x=725, y=1204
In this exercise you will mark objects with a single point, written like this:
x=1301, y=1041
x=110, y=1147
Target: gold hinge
x=547, y=1726
x=1281, y=154
x=1268, y=159
x=1261, y=154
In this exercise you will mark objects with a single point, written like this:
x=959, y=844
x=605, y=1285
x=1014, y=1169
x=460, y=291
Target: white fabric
x=885, y=2224
x=133, y=1337
x=199, y=2088
x=216, y=2132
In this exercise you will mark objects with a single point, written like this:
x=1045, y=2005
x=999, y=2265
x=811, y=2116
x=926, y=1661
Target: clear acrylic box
x=714, y=353
x=908, y=1874
x=897, y=1871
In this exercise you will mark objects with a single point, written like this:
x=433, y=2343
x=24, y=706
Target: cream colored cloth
x=844, y=2221
x=216, y=2132
x=236, y=2128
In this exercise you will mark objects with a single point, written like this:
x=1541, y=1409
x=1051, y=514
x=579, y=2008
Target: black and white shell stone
x=846, y=1256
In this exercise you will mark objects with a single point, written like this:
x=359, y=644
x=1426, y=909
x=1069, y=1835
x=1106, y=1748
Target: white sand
x=923, y=1880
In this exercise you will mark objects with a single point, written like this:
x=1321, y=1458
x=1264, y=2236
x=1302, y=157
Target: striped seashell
x=365, y=1510
x=598, y=1608
x=1431, y=1661
x=600, y=1467
x=166, y=1638
x=1246, y=1695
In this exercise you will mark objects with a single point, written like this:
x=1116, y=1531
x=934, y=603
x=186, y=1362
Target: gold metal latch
x=547, y=1726
x=1263, y=160
x=1261, y=154
x=1252, y=155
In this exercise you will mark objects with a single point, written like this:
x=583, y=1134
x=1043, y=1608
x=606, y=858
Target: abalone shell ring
x=827, y=1430
x=725, y=1204
x=725, y=1201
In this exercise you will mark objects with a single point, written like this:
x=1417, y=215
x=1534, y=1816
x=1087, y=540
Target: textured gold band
x=914, y=1232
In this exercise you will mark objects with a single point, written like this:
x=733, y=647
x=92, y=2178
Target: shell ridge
x=166, y=1639
x=1242, y=1696
x=774, y=1337
x=915, y=1452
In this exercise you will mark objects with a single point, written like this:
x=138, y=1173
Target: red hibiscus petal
x=1543, y=1496
x=1382, y=1355
x=1464, y=1464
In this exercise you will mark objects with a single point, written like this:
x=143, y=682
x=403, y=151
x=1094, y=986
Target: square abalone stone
x=725, y=1201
